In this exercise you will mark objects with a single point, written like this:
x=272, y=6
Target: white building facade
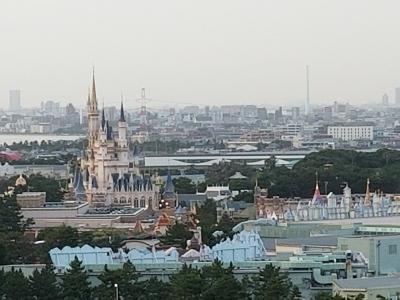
x=352, y=132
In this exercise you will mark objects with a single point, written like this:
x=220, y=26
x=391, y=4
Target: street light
x=378, y=246
x=116, y=291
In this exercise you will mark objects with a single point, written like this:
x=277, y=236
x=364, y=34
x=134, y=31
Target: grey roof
x=80, y=189
x=269, y=244
x=309, y=241
x=122, y=113
x=169, y=190
x=238, y=205
x=368, y=282
x=186, y=199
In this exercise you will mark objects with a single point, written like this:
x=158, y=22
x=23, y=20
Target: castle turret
x=122, y=128
x=92, y=115
x=122, y=135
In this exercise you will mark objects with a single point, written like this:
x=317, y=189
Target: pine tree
x=220, y=283
x=106, y=290
x=128, y=287
x=75, y=283
x=295, y=293
x=153, y=289
x=272, y=284
x=225, y=224
x=43, y=284
x=2, y=281
x=10, y=216
x=187, y=284
x=16, y=286
x=176, y=235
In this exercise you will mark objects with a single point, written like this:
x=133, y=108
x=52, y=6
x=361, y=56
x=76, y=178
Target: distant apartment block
x=15, y=100
x=351, y=132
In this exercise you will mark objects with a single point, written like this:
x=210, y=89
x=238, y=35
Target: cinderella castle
x=107, y=174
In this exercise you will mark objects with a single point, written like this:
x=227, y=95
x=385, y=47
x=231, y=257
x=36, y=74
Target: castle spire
x=103, y=119
x=88, y=98
x=122, y=115
x=93, y=98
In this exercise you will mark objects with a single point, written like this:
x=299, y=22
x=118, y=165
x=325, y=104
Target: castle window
x=136, y=202
x=122, y=200
x=142, y=202
x=150, y=201
x=115, y=200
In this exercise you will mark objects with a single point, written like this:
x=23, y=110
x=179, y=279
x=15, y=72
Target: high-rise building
x=307, y=102
x=397, y=95
x=15, y=100
x=295, y=113
x=385, y=99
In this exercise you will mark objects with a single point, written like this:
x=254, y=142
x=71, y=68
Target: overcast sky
x=200, y=52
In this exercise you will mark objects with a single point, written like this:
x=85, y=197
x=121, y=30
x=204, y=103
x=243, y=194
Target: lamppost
x=116, y=291
x=378, y=248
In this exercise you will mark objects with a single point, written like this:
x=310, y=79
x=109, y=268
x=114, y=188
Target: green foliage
x=334, y=167
x=125, y=278
x=322, y=296
x=271, y=283
x=207, y=218
x=75, y=282
x=207, y=213
x=176, y=235
x=59, y=237
x=168, y=147
x=14, y=247
x=225, y=224
x=153, y=289
x=15, y=286
x=219, y=283
x=37, y=183
x=187, y=284
x=184, y=185
x=244, y=196
x=52, y=187
x=218, y=174
x=43, y=284
x=10, y=216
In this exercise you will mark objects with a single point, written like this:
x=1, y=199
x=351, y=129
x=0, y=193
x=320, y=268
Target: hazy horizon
x=205, y=53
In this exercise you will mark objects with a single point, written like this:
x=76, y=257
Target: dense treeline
x=46, y=146
x=53, y=188
x=214, y=281
x=335, y=168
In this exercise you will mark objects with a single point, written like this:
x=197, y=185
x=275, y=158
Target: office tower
x=328, y=113
x=397, y=95
x=307, y=103
x=385, y=99
x=295, y=113
x=15, y=100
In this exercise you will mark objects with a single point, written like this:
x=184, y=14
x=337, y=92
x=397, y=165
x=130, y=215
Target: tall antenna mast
x=307, y=104
x=143, y=110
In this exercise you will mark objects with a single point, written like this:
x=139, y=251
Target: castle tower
x=122, y=135
x=92, y=114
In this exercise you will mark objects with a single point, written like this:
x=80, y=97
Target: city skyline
x=213, y=53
